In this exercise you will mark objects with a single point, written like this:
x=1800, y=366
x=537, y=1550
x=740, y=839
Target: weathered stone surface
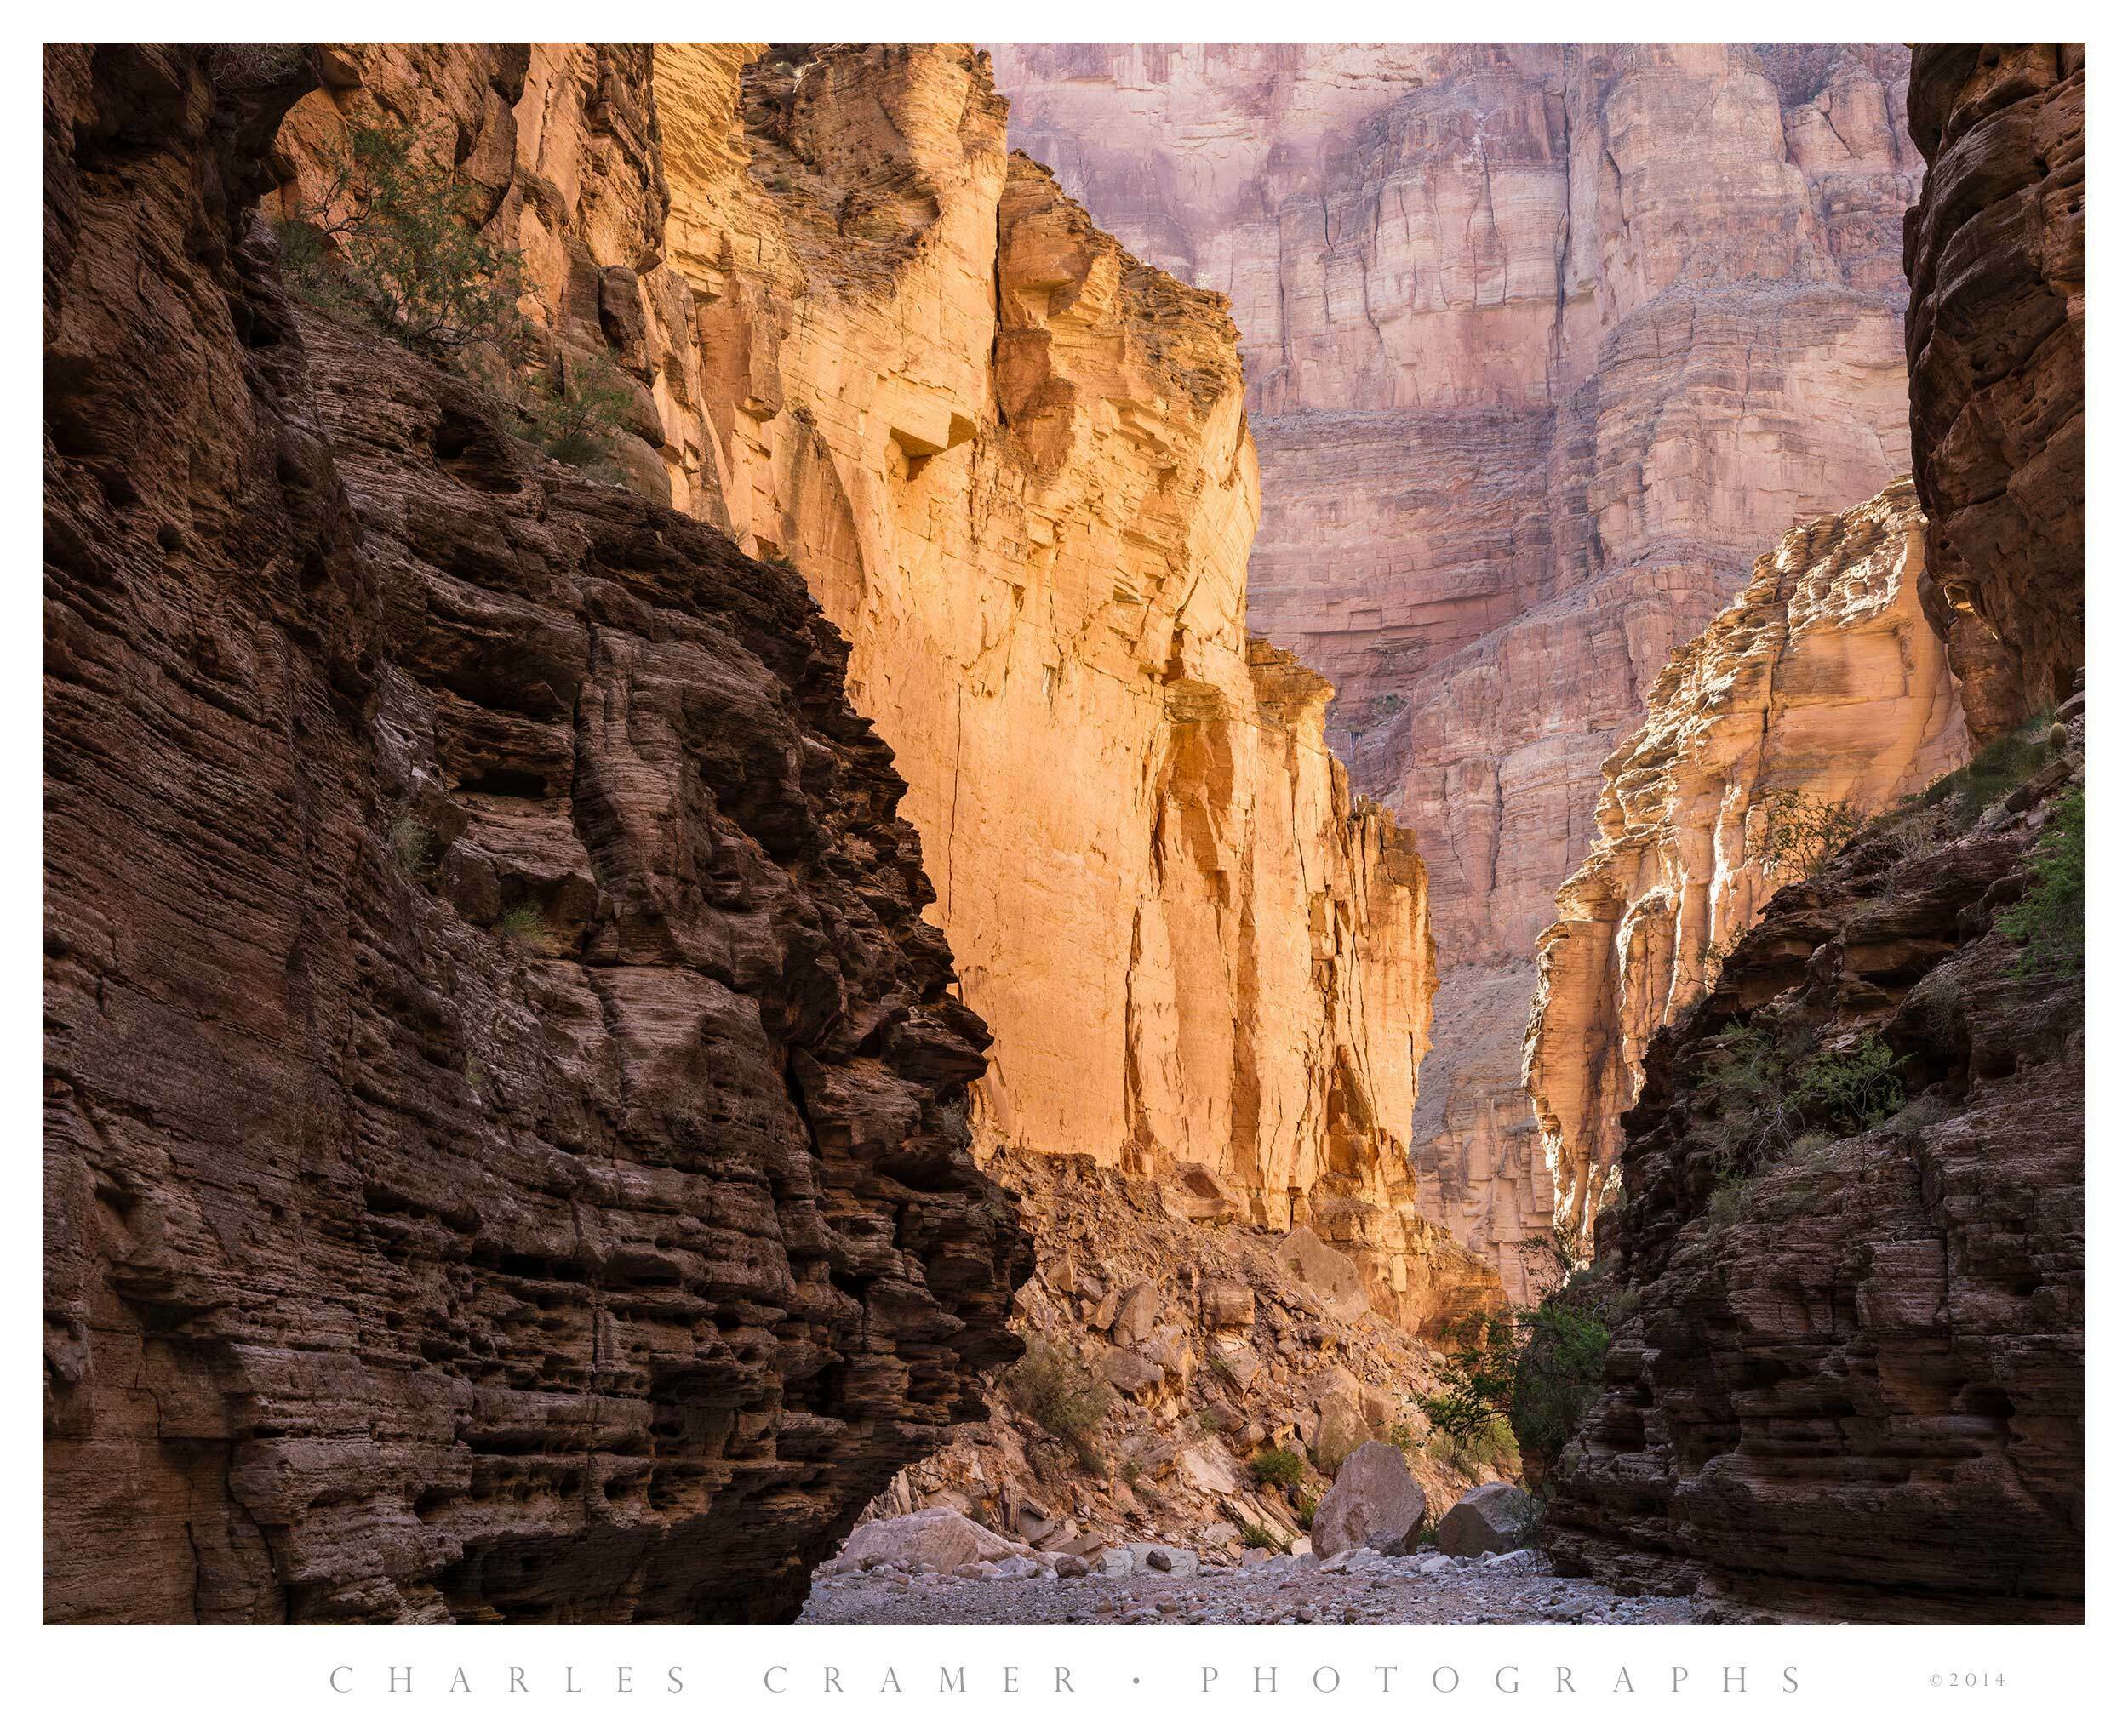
x=936, y=1540
x=1374, y=1504
x=1546, y=344
x=1011, y=460
x=561, y=143
x=1821, y=683
x=1851, y=1384
x=1493, y=1518
x=497, y=1153
x=1995, y=343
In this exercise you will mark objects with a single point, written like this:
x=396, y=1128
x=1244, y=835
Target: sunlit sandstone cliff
x=1995, y=340
x=1547, y=344
x=1013, y=464
x=1821, y=681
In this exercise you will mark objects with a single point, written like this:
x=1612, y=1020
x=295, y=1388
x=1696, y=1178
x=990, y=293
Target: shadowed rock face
x=498, y=1159
x=1850, y=1382
x=1546, y=344
x=1821, y=683
x=1995, y=343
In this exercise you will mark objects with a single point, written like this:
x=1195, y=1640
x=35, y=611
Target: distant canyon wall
x=1546, y=344
x=1821, y=684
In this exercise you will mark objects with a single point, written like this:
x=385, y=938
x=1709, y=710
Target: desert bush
x=521, y=926
x=1277, y=1467
x=1255, y=1536
x=1853, y=1089
x=1751, y=1118
x=1994, y=772
x=1052, y=1388
x=1800, y=834
x=2048, y=921
x=1524, y=1379
x=413, y=844
x=574, y=413
x=389, y=242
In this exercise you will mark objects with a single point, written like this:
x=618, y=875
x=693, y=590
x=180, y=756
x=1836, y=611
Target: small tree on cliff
x=388, y=240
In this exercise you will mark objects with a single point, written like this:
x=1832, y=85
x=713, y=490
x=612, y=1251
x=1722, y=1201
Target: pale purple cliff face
x=1546, y=344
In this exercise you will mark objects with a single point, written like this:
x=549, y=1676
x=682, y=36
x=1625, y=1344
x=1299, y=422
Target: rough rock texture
x=498, y=1146
x=1012, y=463
x=1374, y=1504
x=1850, y=1385
x=1821, y=683
x=1214, y=1342
x=1493, y=1519
x=560, y=143
x=1546, y=344
x=1995, y=343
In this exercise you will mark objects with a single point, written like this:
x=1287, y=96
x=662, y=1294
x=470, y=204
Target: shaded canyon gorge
x=890, y=839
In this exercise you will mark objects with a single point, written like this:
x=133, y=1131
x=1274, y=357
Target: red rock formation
x=499, y=1158
x=1850, y=1385
x=1546, y=344
x=1820, y=683
x=1995, y=343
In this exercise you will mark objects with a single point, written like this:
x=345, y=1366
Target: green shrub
x=1304, y=1508
x=1752, y=1118
x=522, y=927
x=1254, y=1536
x=1996, y=770
x=1277, y=1467
x=1053, y=1389
x=1800, y=834
x=413, y=844
x=574, y=413
x=1855, y=1089
x=1403, y=1436
x=2048, y=921
x=1524, y=1379
x=390, y=243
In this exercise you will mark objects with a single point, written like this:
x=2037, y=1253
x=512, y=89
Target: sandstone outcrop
x=558, y=145
x=1995, y=345
x=500, y=1147
x=1821, y=684
x=1011, y=461
x=1546, y=344
x=1848, y=1381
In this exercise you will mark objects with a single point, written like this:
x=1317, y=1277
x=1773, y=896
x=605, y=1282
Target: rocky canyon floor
x=1423, y=1590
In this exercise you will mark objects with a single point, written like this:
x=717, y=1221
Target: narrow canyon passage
x=1320, y=864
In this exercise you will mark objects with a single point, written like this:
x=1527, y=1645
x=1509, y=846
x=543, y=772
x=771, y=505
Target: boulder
x=1228, y=1305
x=1494, y=1516
x=1331, y=1279
x=1137, y=1311
x=1340, y=1422
x=1127, y=1558
x=1374, y=1504
x=936, y=1541
x=1129, y=1373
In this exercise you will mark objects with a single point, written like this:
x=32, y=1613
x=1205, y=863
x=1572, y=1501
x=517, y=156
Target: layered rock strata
x=1995, y=346
x=1821, y=687
x=1546, y=344
x=501, y=1150
x=1011, y=460
x=1849, y=1384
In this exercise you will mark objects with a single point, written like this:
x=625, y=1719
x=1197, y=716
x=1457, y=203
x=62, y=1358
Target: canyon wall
x=1545, y=344
x=1012, y=462
x=1821, y=684
x=1995, y=343
x=505, y=1147
x=1847, y=1380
